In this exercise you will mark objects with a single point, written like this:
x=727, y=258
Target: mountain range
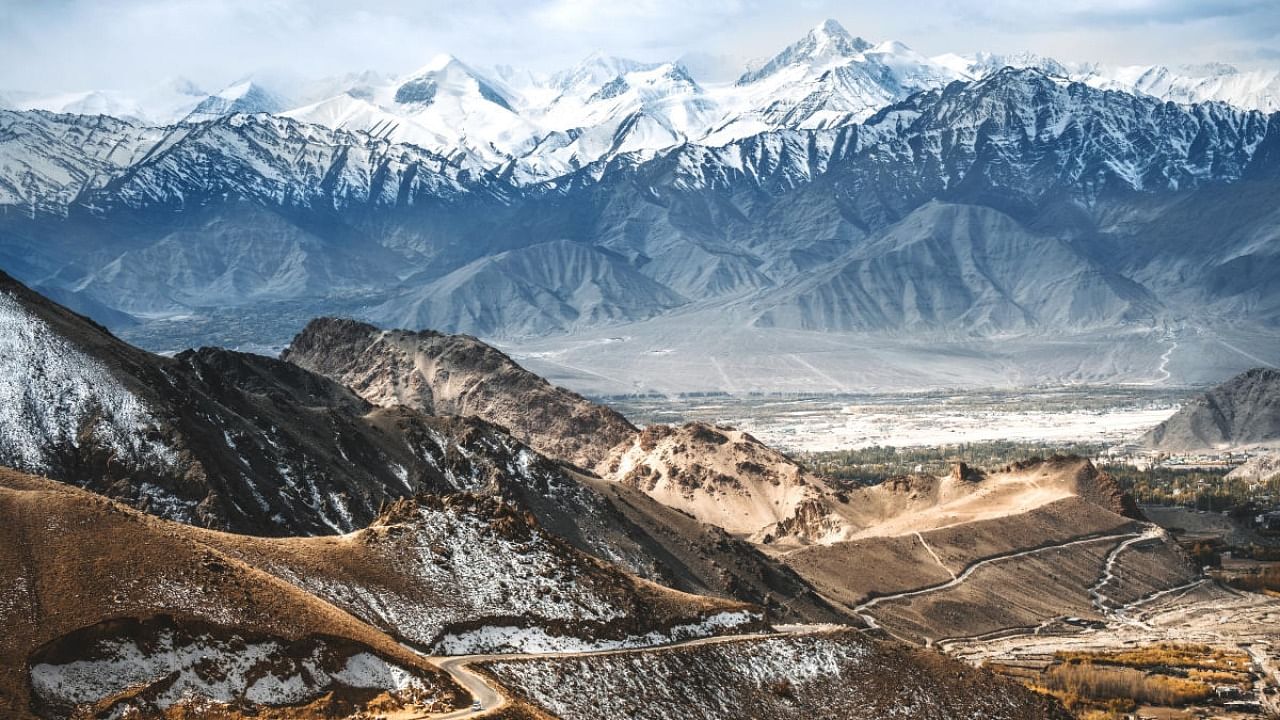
x=843, y=192
x=252, y=536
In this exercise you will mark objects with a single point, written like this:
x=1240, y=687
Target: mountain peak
x=446, y=73
x=595, y=70
x=832, y=31
x=828, y=41
x=437, y=63
x=830, y=38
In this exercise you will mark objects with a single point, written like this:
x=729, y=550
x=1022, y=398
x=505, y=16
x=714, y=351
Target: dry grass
x=74, y=559
x=1166, y=655
x=1102, y=683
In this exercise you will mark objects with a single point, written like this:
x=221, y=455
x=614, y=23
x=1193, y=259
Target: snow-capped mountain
x=446, y=107
x=617, y=193
x=242, y=97
x=756, y=215
x=538, y=127
x=1189, y=84
x=161, y=105
x=546, y=126
x=828, y=78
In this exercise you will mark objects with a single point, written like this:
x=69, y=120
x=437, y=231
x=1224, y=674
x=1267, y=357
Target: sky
x=132, y=45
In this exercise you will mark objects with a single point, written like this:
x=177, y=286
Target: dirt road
x=492, y=697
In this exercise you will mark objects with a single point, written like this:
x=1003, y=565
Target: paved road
x=490, y=697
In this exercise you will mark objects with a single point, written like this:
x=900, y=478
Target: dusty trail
x=488, y=695
x=935, y=557
x=1251, y=356
x=492, y=697
x=862, y=610
x=1164, y=362
x=1105, y=605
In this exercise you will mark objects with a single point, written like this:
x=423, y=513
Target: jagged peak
x=831, y=31
x=828, y=41
x=597, y=69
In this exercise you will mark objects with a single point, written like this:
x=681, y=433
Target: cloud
x=135, y=44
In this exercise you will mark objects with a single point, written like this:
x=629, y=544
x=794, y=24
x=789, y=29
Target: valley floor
x=1201, y=613
x=689, y=352
x=823, y=423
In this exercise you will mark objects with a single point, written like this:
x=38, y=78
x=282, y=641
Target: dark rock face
x=459, y=375
x=1241, y=411
x=251, y=444
x=242, y=442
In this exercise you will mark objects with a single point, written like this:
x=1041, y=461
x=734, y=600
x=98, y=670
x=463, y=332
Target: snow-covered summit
x=535, y=127
x=245, y=96
x=1187, y=84
x=826, y=43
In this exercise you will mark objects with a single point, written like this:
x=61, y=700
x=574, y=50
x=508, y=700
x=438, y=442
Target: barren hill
x=165, y=610
x=246, y=443
x=825, y=676
x=727, y=478
x=459, y=375
x=212, y=437
x=1244, y=410
x=88, y=580
x=977, y=552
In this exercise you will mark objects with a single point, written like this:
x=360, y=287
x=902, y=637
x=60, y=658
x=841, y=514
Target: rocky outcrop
x=223, y=439
x=459, y=375
x=726, y=477
x=1244, y=410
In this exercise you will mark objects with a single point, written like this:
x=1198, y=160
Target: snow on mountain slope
x=228, y=440
x=605, y=106
x=287, y=211
x=1251, y=90
x=282, y=162
x=435, y=565
x=827, y=79
x=102, y=599
x=53, y=395
x=643, y=108
x=242, y=97
x=446, y=107
x=172, y=102
x=1188, y=84
x=544, y=126
x=89, y=102
x=47, y=160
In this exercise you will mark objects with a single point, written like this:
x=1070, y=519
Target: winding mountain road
x=862, y=610
x=492, y=697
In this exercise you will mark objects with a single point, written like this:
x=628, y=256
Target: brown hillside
x=459, y=375
x=72, y=561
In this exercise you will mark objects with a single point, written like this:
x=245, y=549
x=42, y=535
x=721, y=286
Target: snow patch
x=52, y=395
x=494, y=640
x=209, y=668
